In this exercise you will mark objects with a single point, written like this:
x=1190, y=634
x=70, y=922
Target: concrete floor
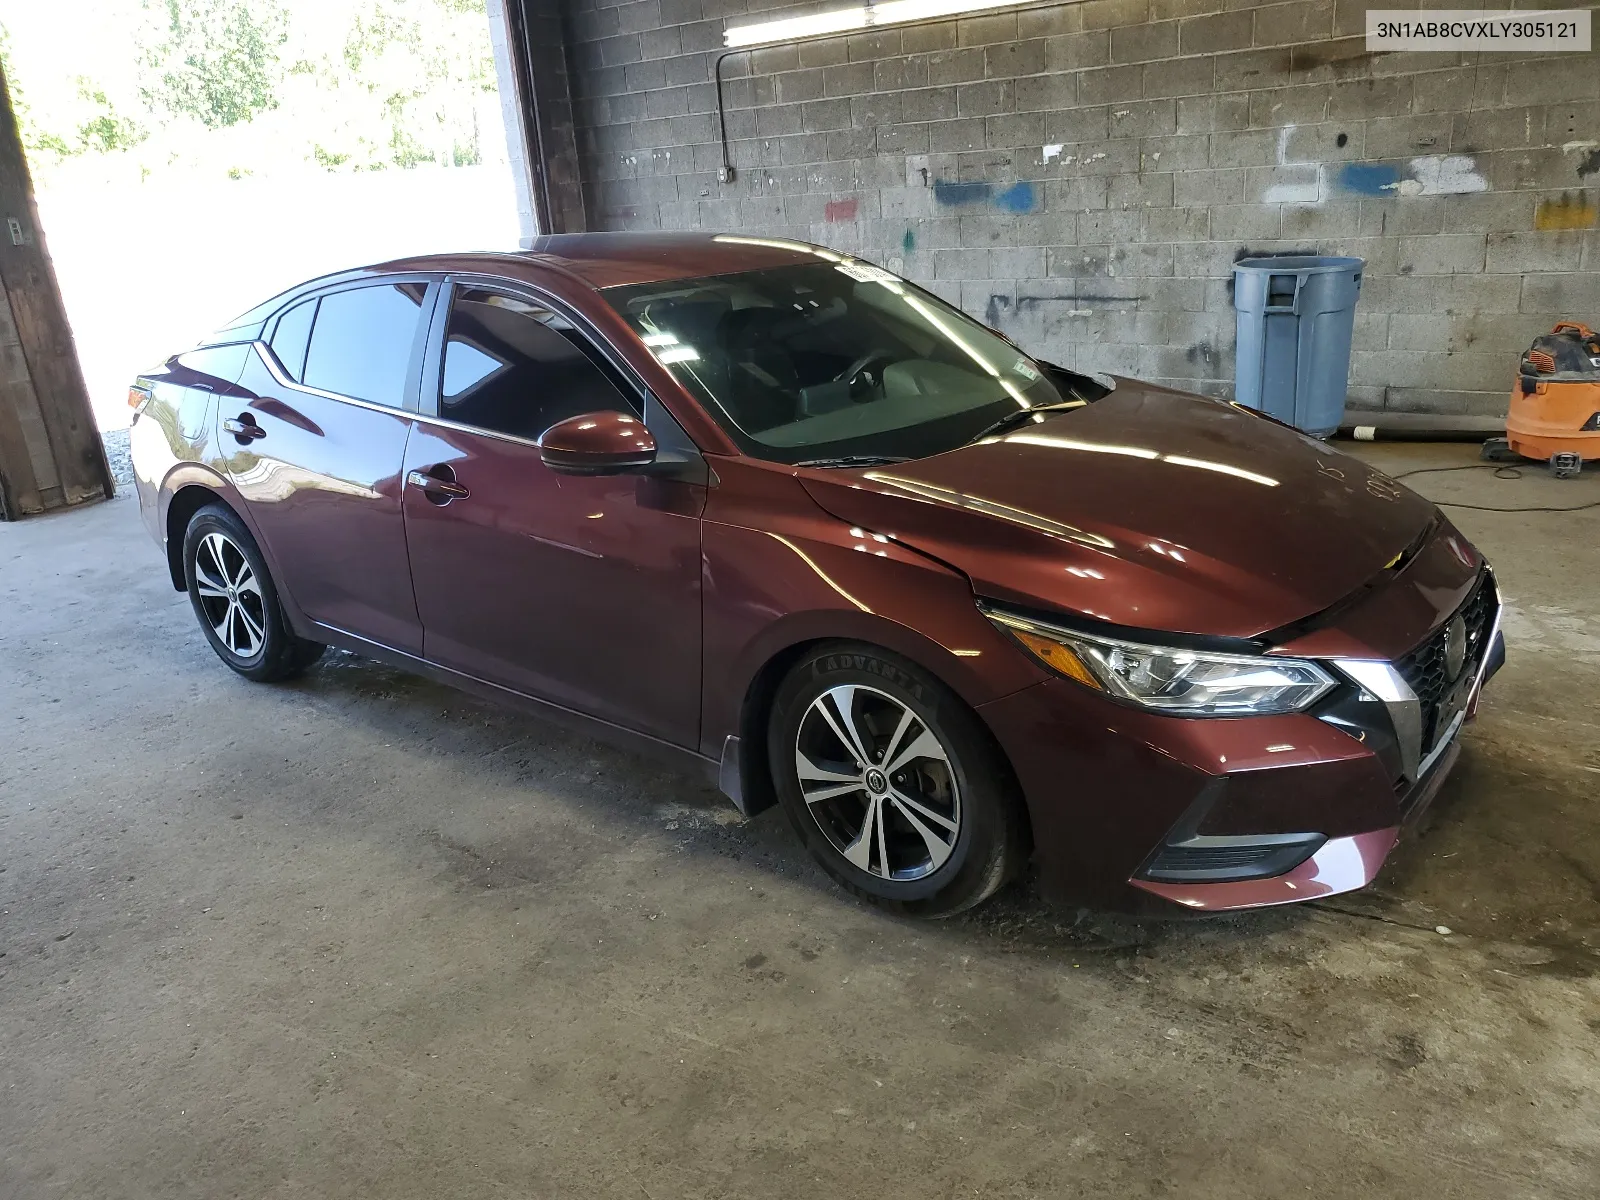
x=362, y=936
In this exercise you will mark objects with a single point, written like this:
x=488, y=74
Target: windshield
x=835, y=359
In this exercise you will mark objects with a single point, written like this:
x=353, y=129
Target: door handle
x=244, y=428
x=432, y=484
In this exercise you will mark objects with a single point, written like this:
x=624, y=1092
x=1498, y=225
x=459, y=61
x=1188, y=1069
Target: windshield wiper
x=854, y=460
x=1023, y=414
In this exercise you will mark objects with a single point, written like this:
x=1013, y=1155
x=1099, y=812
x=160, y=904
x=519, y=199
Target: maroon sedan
x=785, y=516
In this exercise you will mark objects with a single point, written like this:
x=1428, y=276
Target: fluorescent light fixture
x=676, y=354
x=795, y=28
x=843, y=20
x=660, y=339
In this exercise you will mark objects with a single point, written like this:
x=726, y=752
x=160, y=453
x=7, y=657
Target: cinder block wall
x=1084, y=175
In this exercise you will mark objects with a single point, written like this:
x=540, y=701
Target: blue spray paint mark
x=960, y=193
x=1017, y=198
x=1369, y=179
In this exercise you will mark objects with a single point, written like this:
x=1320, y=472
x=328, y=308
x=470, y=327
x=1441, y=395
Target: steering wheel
x=857, y=373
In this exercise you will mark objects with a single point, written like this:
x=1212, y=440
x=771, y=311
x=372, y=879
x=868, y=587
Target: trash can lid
x=1301, y=264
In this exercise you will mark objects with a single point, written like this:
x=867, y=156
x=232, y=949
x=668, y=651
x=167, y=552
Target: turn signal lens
x=1060, y=657
x=138, y=398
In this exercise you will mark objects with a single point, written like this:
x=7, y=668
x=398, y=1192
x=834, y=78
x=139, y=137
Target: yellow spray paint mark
x=1570, y=210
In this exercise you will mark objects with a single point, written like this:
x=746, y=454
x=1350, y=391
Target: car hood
x=1150, y=508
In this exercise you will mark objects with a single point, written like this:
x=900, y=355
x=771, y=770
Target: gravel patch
x=118, y=455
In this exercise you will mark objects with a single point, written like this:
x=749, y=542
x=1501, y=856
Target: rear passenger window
x=293, y=334
x=514, y=367
x=361, y=342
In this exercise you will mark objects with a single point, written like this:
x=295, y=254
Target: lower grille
x=1425, y=667
x=1219, y=860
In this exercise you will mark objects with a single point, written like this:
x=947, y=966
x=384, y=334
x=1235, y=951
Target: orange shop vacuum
x=1555, y=403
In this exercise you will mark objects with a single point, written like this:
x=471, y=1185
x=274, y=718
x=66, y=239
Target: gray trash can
x=1296, y=315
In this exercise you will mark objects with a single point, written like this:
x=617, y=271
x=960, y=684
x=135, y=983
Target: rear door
x=315, y=446
x=584, y=591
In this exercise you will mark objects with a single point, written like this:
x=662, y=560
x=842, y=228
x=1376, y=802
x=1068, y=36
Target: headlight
x=1172, y=679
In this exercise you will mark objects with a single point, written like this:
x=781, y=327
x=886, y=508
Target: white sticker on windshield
x=1024, y=368
x=865, y=272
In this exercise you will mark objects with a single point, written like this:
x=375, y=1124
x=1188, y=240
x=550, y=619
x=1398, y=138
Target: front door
x=313, y=438
x=584, y=591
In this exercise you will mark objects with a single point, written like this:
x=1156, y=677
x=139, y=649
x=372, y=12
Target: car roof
x=598, y=260
x=604, y=260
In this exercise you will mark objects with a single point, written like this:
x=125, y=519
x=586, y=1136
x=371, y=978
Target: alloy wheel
x=230, y=595
x=878, y=782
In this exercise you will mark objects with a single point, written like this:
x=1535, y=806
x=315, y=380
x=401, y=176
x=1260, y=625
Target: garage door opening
x=193, y=157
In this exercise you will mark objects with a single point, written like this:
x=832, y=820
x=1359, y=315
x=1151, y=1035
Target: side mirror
x=597, y=443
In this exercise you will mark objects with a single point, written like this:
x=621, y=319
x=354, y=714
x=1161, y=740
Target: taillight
x=137, y=399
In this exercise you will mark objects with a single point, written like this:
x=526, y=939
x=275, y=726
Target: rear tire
x=893, y=783
x=235, y=601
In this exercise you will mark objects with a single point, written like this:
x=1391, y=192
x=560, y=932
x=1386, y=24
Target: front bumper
x=1340, y=865
x=1228, y=813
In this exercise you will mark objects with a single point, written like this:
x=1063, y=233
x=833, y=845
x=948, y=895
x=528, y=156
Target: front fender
x=767, y=591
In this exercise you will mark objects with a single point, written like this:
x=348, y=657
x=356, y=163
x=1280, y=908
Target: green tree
x=246, y=86
x=106, y=130
x=92, y=123
x=34, y=139
x=217, y=60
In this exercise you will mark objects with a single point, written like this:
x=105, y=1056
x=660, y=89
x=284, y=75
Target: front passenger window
x=516, y=368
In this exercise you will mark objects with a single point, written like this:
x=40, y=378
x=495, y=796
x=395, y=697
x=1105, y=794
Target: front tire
x=893, y=783
x=235, y=601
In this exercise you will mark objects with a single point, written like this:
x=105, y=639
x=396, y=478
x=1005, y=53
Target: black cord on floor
x=1500, y=472
x=1531, y=508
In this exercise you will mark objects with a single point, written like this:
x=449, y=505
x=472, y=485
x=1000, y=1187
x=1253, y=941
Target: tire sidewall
x=276, y=640
x=981, y=842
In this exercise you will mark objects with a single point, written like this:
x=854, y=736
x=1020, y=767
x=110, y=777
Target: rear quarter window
x=292, y=336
